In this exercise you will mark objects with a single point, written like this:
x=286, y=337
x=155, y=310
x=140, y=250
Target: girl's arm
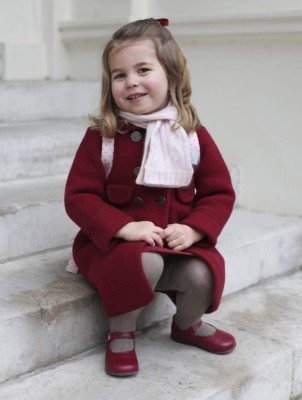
x=84, y=195
x=215, y=197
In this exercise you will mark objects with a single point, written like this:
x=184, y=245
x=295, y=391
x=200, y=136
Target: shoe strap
x=193, y=329
x=190, y=330
x=120, y=335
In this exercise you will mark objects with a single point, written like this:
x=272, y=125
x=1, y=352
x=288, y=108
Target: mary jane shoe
x=219, y=342
x=122, y=363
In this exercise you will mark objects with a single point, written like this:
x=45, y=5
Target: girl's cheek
x=114, y=90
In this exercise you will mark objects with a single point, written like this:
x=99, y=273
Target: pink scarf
x=166, y=159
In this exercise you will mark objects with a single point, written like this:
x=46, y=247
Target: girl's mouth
x=136, y=96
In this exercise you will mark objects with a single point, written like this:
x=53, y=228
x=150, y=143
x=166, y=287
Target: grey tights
x=193, y=281
x=153, y=265
x=189, y=276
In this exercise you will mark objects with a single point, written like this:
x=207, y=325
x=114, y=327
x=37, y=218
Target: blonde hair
x=173, y=62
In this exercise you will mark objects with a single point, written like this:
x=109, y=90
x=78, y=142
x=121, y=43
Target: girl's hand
x=180, y=237
x=142, y=230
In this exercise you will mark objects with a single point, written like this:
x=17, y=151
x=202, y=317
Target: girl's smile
x=136, y=96
x=139, y=83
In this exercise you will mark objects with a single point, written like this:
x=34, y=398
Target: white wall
x=247, y=88
x=176, y=9
x=102, y=9
x=19, y=20
x=22, y=50
x=250, y=98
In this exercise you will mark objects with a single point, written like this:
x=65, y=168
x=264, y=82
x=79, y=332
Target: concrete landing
x=258, y=369
x=272, y=310
x=266, y=364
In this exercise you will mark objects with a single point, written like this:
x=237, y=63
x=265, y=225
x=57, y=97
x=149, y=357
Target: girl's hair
x=173, y=62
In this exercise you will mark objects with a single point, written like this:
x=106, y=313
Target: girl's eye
x=119, y=76
x=143, y=70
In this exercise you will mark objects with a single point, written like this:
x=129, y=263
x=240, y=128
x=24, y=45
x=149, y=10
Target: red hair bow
x=163, y=21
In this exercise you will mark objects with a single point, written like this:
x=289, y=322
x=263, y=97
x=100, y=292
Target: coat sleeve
x=215, y=197
x=84, y=194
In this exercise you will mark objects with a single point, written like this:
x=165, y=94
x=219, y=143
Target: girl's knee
x=153, y=265
x=198, y=275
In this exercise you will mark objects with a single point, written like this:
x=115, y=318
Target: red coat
x=100, y=207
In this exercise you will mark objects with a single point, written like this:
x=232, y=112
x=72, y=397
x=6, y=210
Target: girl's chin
x=143, y=110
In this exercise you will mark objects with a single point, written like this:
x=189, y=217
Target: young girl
x=151, y=193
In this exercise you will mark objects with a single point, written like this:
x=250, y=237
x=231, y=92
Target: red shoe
x=219, y=343
x=123, y=363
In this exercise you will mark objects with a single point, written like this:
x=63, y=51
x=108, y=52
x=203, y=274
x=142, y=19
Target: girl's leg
x=153, y=265
x=193, y=281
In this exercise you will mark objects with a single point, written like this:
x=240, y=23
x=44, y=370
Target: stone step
x=39, y=148
x=32, y=217
x=41, y=303
x=47, y=314
x=35, y=206
x=37, y=100
x=266, y=364
x=257, y=246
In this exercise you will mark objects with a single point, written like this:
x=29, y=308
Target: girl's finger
x=180, y=248
x=174, y=243
x=153, y=239
x=148, y=239
x=158, y=240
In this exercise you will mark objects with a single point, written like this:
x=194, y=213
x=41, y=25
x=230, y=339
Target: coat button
x=136, y=136
x=136, y=170
x=138, y=201
x=161, y=200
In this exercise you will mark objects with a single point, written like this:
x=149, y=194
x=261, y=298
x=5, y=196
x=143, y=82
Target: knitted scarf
x=166, y=159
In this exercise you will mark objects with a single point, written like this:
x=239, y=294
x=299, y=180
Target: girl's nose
x=132, y=80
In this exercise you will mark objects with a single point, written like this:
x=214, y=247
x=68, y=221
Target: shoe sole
x=122, y=374
x=202, y=348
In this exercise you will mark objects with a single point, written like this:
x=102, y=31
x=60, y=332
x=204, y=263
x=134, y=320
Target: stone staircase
x=52, y=324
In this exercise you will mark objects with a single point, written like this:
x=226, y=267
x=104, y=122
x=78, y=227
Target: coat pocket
x=119, y=195
x=186, y=194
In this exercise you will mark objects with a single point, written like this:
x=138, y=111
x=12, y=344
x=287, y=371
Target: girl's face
x=139, y=83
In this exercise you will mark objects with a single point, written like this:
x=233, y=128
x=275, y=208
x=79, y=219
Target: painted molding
x=1, y=61
x=88, y=30
x=253, y=25
x=242, y=26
